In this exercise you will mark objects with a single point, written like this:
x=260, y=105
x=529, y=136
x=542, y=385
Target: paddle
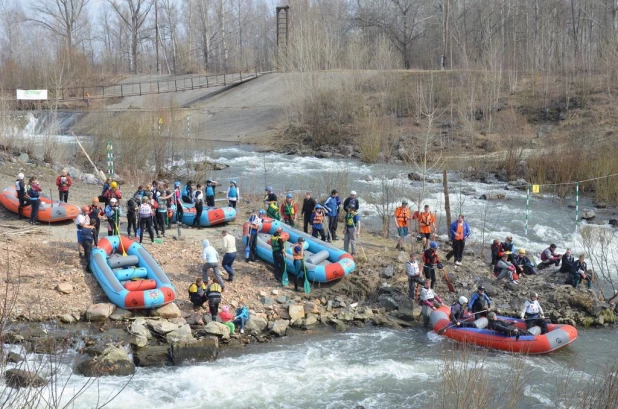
x=124, y=253
x=284, y=276
x=448, y=282
x=443, y=330
x=307, y=286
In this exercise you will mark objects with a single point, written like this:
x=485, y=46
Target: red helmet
x=501, y=254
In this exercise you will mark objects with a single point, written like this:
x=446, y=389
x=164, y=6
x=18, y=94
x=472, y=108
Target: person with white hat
x=351, y=202
x=20, y=188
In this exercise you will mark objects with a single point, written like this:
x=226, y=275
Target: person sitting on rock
x=459, y=314
x=479, y=303
x=496, y=247
x=523, y=264
x=580, y=273
x=503, y=327
x=429, y=301
x=213, y=293
x=568, y=262
x=241, y=318
x=197, y=293
x=549, y=257
x=508, y=246
x=227, y=318
x=504, y=268
x=533, y=313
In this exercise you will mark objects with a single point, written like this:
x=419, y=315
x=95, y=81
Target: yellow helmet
x=114, y=185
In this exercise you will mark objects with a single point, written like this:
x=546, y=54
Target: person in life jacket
x=533, y=313
x=426, y=221
x=272, y=211
x=233, y=194
x=459, y=232
x=106, y=186
x=89, y=240
x=431, y=260
x=187, y=192
x=504, y=327
x=197, y=293
x=213, y=293
x=568, y=262
x=549, y=257
x=161, y=200
x=298, y=254
x=145, y=219
x=277, y=244
x=270, y=196
x=332, y=204
x=479, y=303
x=413, y=271
x=113, y=193
x=154, y=206
x=81, y=220
x=351, y=231
x=95, y=212
x=522, y=263
x=255, y=226
x=20, y=188
x=64, y=183
x=33, y=194
x=199, y=205
x=504, y=268
x=132, y=209
x=351, y=202
x=177, y=201
x=307, y=210
x=289, y=210
x=210, y=192
x=112, y=211
x=580, y=273
x=429, y=301
x=459, y=314
x=317, y=218
x=403, y=222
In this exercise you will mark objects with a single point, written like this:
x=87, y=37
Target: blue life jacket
x=233, y=192
x=210, y=191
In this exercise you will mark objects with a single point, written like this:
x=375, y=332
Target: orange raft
x=50, y=211
x=559, y=335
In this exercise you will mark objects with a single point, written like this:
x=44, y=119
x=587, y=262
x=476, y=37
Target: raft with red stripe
x=558, y=336
x=133, y=281
x=50, y=211
x=324, y=262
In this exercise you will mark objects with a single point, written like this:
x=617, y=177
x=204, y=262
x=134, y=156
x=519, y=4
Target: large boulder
x=168, y=311
x=141, y=333
x=162, y=326
x=588, y=215
x=296, y=312
x=311, y=308
x=280, y=327
x=119, y=314
x=388, y=272
x=206, y=349
x=14, y=358
x=181, y=334
x=388, y=302
x=64, y=288
x=151, y=356
x=256, y=324
x=218, y=329
x=492, y=196
x=17, y=378
x=100, y=312
x=114, y=361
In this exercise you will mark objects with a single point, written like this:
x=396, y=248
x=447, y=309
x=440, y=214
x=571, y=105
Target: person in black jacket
x=20, y=187
x=504, y=327
x=351, y=202
x=308, y=207
x=568, y=262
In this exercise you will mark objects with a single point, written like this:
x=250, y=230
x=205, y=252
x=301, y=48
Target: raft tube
x=139, y=293
x=330, y=263
x=50, y=211
x=558, y=335
x=211, y=216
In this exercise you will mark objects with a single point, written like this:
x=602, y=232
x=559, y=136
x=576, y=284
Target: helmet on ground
x=491, y=315
x=481, y=287
x=404, y=201
x=113, y=200
x=353, y=192
x=262, y=211
x=269, y=188
x=318, y=206
x=176, y=184
x=522, y=251
x=288, y=196
x=144, y=199
x=114, y=185
x=433, y=245
x=85, y=209
x=95, y=200
x=20, y=176
x=533, y=295
x=463, y=300
x=279, y=230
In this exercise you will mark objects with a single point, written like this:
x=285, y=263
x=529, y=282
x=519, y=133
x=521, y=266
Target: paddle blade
x=450, y=254
x=448, y=282
x=307, y=286
x=284, y=276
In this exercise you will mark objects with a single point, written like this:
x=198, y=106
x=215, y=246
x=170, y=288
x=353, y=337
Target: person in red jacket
x=64, y=182
x=113, y=192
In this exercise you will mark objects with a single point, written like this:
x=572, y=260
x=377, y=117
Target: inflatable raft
x=324, y=262
x=211, y=216
x=134, y=281
x=50, y=211
x=559, y=335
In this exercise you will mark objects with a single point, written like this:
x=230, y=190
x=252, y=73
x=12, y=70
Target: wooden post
x=447, y=201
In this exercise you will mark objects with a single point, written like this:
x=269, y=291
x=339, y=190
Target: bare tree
x=133, y=13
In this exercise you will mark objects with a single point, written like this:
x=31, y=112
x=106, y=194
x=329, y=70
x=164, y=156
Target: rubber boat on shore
x=50, y=211
x=558, y=336
x=133, y=281
x=324, y=262
x=211, y=216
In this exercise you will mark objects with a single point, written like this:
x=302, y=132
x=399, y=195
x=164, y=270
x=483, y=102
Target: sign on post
x=535, y=188
x=32, y=94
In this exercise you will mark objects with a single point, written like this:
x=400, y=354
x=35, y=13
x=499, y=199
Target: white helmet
x=353, y=192
x=463, y=300
x=113, y=200
x=20, y=176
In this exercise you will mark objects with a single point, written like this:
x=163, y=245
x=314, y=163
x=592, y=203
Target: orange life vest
x=402, y=214
x=298, y=252
x=459, y=232
x=318, y=215
x=426, y=219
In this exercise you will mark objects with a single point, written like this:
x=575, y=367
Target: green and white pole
x=110, y=159
x=576, y=204
x=527, y=209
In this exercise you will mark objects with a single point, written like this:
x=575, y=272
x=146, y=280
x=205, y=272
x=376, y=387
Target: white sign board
x=32, y=94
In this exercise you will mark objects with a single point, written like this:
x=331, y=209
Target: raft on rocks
x=324, y=262
x=211, y=216
x=559, y=335
x=50, y=211
x=128, y=274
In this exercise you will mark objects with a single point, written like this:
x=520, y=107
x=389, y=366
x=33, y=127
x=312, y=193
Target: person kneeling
x=197, y=293
x=504, y=327
x=459, y=314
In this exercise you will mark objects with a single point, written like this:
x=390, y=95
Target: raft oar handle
x=443, y=330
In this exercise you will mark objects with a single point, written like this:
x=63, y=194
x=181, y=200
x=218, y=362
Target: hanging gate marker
x=576, y=205
x=110, y=159
x=527, y=209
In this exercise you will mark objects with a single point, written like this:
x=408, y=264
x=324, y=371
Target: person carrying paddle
x=112, y=211
x=213, y=293
x=145, y=219
x=403, y=220
x=413, y=271
x=533, y=313
x=351, y=231
x=426, y=222
x=298, y=253
x=64, y=183
x=431, y=261
x=289, y=210
x=20, y=188
x=197, y=293
x=429, y=301
x=479, y=303
x=459, y=315
x=277, y=245
x=459, y=232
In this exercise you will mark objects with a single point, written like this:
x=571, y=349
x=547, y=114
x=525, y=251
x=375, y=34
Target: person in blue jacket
x=241, y=318
x=479, y=303
x=459, y=232
x=332, y=204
